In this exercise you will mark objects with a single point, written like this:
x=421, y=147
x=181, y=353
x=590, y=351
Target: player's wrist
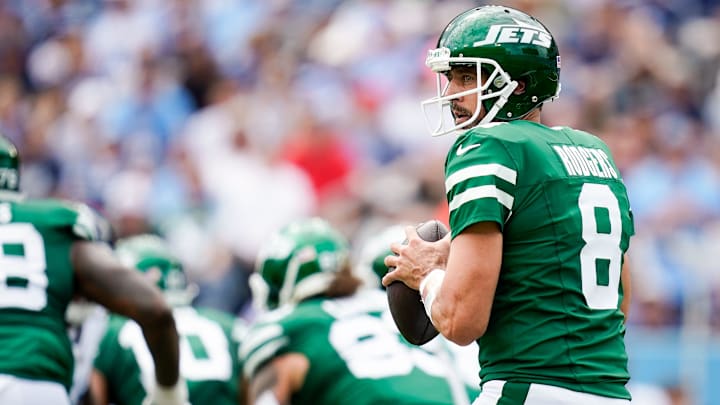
x=267, y=398
x=431, y=280
x=170, y=395
x=429, y=288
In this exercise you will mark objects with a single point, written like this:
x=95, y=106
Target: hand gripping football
x=406, y=308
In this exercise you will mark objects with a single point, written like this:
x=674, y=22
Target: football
x=406, y=308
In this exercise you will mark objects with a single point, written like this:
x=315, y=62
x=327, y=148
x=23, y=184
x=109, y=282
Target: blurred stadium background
x=213, y=122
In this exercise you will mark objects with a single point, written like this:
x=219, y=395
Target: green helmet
x=151, y=255
x=9, y=166
x=506, y=46
x=370, y=265
x=298, y=262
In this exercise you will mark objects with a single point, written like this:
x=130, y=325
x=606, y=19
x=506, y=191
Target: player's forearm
x=464, y=297
x=445, y=310
x=162, y=340
x=627, y=289
x=98, y=390
x=267, y=388
x=278, y=380
x=102, y=278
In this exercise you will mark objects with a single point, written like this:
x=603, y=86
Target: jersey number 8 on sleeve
x=602, y=248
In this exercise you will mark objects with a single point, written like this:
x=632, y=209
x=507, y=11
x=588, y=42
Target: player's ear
x=520, y=89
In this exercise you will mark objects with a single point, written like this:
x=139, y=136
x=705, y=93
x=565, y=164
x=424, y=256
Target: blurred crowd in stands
x=214, y=122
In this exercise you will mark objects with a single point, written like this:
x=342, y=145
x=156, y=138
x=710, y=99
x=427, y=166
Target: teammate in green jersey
x=540, y=222
x=462, y=360
x=326, y=342
x=209, y=339
x=49, y=252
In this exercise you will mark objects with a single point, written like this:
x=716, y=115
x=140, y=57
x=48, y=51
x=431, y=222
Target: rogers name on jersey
x=581, y=161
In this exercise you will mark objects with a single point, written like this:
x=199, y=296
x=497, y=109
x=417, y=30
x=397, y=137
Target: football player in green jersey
x=326, y=342
x=209, y=339
x=540, y=222
x=462, y=360
x=49, y=252
x=370, y=261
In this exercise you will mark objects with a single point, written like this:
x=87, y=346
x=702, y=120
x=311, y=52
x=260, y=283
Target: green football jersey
x=208, y=357
x=563, y=209
x=357, y=356
x=36, y=285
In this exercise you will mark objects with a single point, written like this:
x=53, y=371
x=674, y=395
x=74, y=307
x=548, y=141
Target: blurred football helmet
x=370, y=265
x=298, y=262
x=505, y=46
x=9, y=167
x=151, y=255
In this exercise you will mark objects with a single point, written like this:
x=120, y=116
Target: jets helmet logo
x=518, y=33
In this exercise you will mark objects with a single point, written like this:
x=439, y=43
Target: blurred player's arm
x=98, y=391
x=625, y=278
x=243, y=388
x=102, y=278
x=239, y=332
x=275, y=382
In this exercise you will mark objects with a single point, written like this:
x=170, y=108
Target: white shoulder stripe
x=262, y=355
x=489, y=169
x=476, y=193
x=257, y=337
x=85, y=225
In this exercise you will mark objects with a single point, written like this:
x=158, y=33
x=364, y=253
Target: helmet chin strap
x=500, y=103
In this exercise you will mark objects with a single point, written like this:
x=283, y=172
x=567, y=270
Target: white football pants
x=540, y=394
x=19, y=391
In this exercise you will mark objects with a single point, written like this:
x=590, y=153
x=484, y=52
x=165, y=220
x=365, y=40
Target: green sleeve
x=480, y=183
x=108, y=350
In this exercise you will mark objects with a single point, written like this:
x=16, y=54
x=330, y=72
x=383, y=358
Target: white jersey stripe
x=489, y=169
x=255, y=339
x=491, y=393
x=262, y=355
x=476, y=193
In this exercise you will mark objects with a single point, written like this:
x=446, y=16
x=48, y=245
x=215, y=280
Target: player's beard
x=464, y=114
